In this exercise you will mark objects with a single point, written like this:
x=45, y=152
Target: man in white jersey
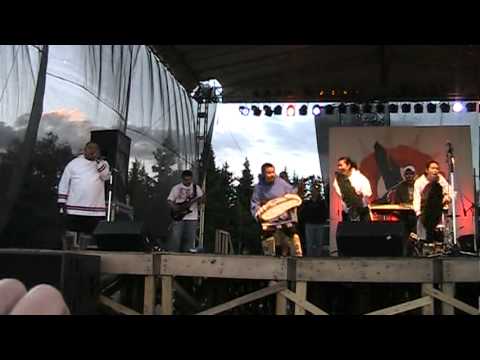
x=183, y=201
x=81, y=194
x=429, y=210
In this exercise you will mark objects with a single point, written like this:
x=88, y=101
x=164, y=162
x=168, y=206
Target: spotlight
x=244, y=110
x=316, y=110
x=342, y=108
x=445, y=108
x=457, y=107
x=291, y=110
x=431, y=108
x=471, y=107
x=303, y=110
x=256, y=110
x=367, y=108
x=406, y=108
x=418, y=108
x=329, y=109
x=267, y=110
x=380, y=108
x=277, y=110
x=393, y=108
x=354, y=109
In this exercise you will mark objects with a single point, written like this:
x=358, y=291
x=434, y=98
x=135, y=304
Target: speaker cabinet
x=371, y=239
x=115, y=147
x=120, y=236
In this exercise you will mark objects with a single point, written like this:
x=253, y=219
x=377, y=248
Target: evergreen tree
x=247, y=231
x=36, y=222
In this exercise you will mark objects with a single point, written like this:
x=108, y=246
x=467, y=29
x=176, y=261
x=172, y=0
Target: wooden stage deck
x=442, y=273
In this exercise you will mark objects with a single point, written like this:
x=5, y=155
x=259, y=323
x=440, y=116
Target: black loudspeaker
x=120, y=236
x=115, y=147
x=76, y=276
x=371, y=239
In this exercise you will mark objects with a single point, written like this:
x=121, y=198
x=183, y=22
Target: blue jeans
x=316, y=243
x=182, y=235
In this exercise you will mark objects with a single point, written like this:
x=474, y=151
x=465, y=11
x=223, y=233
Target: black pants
x=84, y=224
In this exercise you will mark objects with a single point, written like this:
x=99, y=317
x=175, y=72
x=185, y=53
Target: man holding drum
x=273, y=204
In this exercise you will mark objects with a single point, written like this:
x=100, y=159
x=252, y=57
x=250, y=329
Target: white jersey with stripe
x=82, y=187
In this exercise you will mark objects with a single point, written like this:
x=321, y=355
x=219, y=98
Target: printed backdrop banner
x=383, y=152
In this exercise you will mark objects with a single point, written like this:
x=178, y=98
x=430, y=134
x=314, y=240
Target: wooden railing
x=436, y=276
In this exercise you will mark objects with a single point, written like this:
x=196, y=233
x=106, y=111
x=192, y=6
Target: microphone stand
x=110, y=195
x=451, y=169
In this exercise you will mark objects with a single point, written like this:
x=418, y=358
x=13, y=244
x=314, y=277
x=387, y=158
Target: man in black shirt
x=404, y=192
x=313, y=214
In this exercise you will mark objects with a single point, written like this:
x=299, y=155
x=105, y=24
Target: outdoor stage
x=289, y=277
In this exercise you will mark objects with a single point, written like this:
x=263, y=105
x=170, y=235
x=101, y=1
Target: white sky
x=283, y=141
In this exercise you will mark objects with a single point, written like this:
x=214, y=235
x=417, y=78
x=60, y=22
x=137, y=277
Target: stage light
x=354, y=109
x=244, y=110
x=431, y=108
x=393, y=108
x=367, y=108
x=457, y=107
x=380, y=108
x=418, y=108
x=406, y=108
x=277, y=110
x=316, y=110
x=329, y=109
x=291, y=110
x=445, y=108
x=303, y=110
x=342, y=108
x=471, y=107
x=267, y=110
x=256, y=110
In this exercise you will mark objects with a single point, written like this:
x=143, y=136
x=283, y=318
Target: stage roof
x=283, y=73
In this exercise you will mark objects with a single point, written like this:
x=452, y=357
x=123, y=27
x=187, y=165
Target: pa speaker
x=115, y=147
x=120, y=236
x=371, y=239
x=76, y=276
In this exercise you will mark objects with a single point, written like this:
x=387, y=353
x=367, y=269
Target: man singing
x=431, y=197
x=354, y=189
x=81, y=195
x=269, y=187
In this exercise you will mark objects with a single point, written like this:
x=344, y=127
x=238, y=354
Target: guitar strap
x=194, y=191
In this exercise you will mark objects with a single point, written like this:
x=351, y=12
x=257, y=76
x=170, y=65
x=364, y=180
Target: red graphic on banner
x=402, y=155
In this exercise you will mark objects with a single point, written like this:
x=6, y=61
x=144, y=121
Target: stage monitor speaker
x=120, y=236
x=76, y=276
x=371, y=239
x=115, y=147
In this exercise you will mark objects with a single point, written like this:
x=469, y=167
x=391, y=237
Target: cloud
x=7, y=135
x=70, y=125
x=235, y=141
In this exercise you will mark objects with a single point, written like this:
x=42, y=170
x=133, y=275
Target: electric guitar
x=182, y=209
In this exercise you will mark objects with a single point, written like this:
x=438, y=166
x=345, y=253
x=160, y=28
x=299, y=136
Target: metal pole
x=475, y=221
x=202, y=215
x=109, y=209
x=454, y=208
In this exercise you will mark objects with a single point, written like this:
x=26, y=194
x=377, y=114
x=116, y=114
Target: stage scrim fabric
x=382, y=152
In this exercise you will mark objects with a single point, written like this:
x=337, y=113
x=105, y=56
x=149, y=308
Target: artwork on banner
x=383, y=153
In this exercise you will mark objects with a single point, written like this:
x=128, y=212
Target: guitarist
x=183, y=201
